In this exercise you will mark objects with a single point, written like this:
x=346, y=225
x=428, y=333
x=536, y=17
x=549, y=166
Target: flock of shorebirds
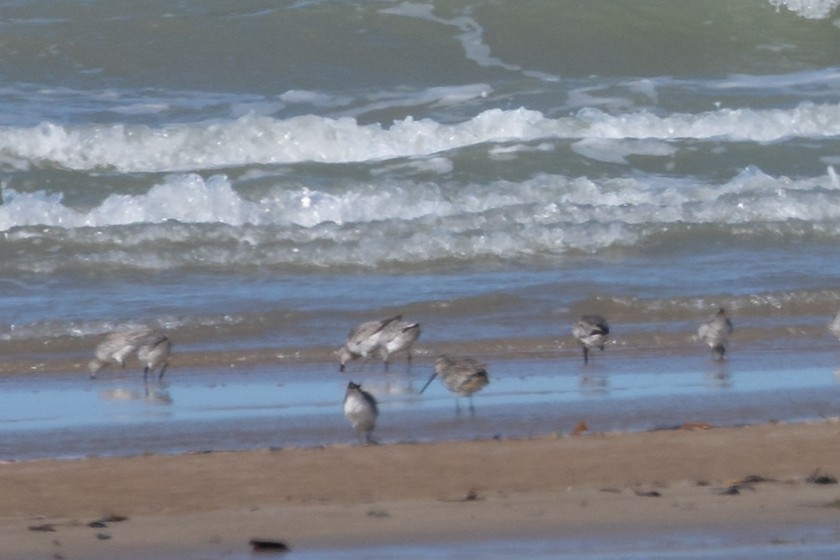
x=151, y=347
x=463, y=376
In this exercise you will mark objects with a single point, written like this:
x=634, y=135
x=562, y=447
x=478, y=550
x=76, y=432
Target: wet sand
x=589, y=485
x=512, y=474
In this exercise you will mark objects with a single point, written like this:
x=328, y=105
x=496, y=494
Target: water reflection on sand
x=746, y=543
x=69, y=415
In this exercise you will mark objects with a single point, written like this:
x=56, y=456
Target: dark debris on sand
x=817, y=478
x=268, y=545
x=746, y=483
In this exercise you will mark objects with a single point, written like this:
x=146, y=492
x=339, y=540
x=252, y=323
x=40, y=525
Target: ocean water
x=256, y=179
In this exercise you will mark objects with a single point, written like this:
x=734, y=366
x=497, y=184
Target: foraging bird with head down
x=715, y=332
x=591, y=331
x=151, y=347
x=383, y=338
x=462, y=376
x=154, y=354
x=116, y=348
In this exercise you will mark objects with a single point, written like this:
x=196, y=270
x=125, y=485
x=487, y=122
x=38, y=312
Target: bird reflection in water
x=149, y=394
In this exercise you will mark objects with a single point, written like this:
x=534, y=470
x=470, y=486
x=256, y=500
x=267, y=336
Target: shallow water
x=820, y=542
x=779, y=542
x=223, y=408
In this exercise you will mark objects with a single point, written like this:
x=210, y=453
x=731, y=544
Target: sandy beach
x=212, y=504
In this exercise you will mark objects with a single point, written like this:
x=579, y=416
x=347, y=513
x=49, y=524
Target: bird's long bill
x=429, y=382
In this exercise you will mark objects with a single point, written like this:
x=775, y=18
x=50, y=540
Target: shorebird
x=384, y=337
x=834, y=326
x=715, y=332
x=116, y=347
x=154, y=352
x=363, y=341
x=590, y=331
x=361, y=411
x=462, y=376
x=152, y=349
x=397, y=336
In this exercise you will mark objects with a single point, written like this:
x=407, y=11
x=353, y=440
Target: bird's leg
x=585, y=355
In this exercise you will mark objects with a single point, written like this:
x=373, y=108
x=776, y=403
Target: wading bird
x=361, y=411
x=398, y=336
x=715, y=332
x=462, y=376
x=591, y=331
x=116, y=347
x=834, y=326
x=154, y=354
x=384, y=338
x=151, y=347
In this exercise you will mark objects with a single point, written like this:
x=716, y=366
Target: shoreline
x=340, y=496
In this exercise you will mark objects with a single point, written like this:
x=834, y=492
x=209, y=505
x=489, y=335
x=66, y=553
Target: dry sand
x=346, y=496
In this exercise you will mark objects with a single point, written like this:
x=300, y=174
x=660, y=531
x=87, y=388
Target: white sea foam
x=542, y=201
x=811, y=9
x=187, y=221
x=806, y=120
x=312, y=98
x=439, y=96
x=183, y=198
x=832, y=174
x=822, y=82
x=264, y=140
x=471, y=33
x=617, y=151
